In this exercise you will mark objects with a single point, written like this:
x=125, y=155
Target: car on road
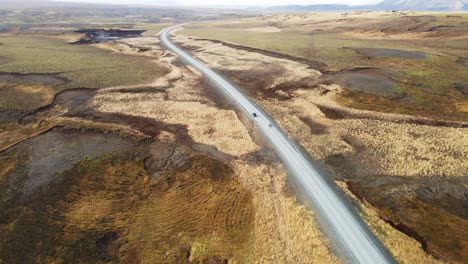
x=254, y=114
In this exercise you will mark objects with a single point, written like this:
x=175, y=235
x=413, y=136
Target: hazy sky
x=235, y=2
x=278, y=2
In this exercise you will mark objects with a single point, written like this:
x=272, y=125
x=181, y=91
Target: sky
x=235, y=2
x=277, y=2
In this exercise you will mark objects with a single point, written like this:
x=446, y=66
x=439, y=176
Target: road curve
x=356, y=242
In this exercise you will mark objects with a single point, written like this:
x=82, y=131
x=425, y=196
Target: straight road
x=350, y=238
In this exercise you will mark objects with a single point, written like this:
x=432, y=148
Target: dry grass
x=25, y=97
x=405, y=249
x=206, y=124
x=429, y=85
x=203, y=210
x=367, y=148
x=390, y=149
x=18, y=133
x=285, y=232
x=185, y=105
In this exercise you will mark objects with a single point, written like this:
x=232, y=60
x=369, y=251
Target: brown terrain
x=160, y=172
x=168, y=171
x=407, y=171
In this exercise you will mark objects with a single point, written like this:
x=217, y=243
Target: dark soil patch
x=8, y=117
x=463, y=62
x=74, y=100
x=258, y=82
x=45, y=79
x=394, y=53
x=409, y=232
x=51, y=153
x=106, y=245
x=315, y=128
x=148, y=126
x=368, y=80
x=462, y=87
x=254, y=82
x=334, y=113
x=430, y=210
x=66, y=217
x=408, y=23
x=104, y=35
x=143, y=89
x=439, y=28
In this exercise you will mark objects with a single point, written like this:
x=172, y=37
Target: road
x=350, y=238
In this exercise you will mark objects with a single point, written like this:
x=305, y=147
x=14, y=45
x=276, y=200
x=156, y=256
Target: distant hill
x=431, y=5
x=326, y=7
x=417, y=5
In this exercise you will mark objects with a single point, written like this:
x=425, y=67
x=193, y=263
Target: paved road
x=349, y=236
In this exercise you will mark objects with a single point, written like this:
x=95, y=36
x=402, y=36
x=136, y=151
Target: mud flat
x=463, y=88
x=369, y=80
x=463, y=61
x=93, y=36
x=393, y=53
x=49, y=154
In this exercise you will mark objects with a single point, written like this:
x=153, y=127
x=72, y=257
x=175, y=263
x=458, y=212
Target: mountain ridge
x=410, y=5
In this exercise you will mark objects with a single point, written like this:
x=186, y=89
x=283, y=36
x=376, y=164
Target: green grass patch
x=152, y=29
x=291, y=43
x=82, y=65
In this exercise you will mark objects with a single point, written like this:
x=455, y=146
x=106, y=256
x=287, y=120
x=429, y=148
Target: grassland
x=429, y=85
x=375, y=153
x=25, y=97
x=278, y=238
x=126, y=206
x=158, y=173
x=151, y=28
x=82, y=66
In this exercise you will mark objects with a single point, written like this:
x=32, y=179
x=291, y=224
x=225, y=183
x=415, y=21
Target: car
x=270, y=125
x=254, y=114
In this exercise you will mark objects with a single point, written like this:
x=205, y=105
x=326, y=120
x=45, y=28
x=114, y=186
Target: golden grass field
x=153, y=166
x=386, y=159
x=188, y=192
x=276, y=238
x=428, y=86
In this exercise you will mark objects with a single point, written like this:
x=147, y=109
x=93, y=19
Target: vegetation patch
x=93, y=36
x=395, y=53
x=153, y=202
x=44, y=79
x=82, y=65
x=372, y=81
x=420, y=64
x=25, y=96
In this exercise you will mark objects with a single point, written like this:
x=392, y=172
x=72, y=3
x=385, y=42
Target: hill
x=416, y=5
